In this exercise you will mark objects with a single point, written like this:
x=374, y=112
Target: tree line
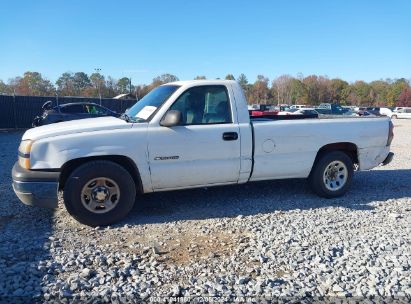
x=285, y=89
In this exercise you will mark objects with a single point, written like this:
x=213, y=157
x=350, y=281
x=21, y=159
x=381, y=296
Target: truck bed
x=281, y=117
x=287, y=148
x=297, y=117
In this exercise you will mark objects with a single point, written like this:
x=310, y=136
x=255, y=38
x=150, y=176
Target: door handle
x=230, y=136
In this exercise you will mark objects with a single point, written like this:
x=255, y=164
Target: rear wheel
x=332, y=174
x=99, y=193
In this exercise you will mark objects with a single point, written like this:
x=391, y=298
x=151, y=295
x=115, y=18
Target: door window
x=204, y=105
x=95, y=110
x=73, y=109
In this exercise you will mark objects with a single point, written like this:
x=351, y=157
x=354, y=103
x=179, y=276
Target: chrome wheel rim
x=100, y=195
x=335, y=175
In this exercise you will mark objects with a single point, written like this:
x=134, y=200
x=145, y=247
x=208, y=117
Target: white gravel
x=262, y=241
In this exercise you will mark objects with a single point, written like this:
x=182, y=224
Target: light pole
x=97, y=70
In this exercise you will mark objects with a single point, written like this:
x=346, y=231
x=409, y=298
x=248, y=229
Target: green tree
x=65, y=84
x=81, y=81
x=98, y=82
x=338, y=91
x=141, y=90
x=97, y=79
x=165, y=78
x=110, y=88
x=360, y=93
x=123, y=85
x=200, y=78
x=379, y=91
x=4, y=88
x=243, y=81
x=298, y=92
x=229, y=77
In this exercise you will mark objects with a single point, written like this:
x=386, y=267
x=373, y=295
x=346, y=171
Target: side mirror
x=171, y=119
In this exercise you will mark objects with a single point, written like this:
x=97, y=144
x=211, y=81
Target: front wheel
x=332, y=174
x=99, y=193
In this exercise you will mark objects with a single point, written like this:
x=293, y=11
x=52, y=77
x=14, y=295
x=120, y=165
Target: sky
x=353, y=40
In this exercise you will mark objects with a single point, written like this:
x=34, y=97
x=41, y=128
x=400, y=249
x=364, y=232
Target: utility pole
x=97, y=70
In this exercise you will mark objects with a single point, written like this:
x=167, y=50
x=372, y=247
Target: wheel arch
x=124, y=161
x=349, y=148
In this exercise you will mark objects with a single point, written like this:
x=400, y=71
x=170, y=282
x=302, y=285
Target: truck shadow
x=265, y=197
x=24, y=234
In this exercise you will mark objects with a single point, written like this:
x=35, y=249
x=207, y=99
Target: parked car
x=189, y=134
x=263, y=110
x=373, y=110
x=306, y=111
x=404, y=112
x=297, y=107
x=282, y=108
x=332, y=109
x=386, y=112
x=259, y=113
x=71, y=111
x=352, y=108
x=365, y=113
x=288, y=111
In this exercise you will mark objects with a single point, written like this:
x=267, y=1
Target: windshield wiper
x=126, y=117
x=131, y=119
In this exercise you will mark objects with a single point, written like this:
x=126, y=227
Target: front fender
x=54, y=152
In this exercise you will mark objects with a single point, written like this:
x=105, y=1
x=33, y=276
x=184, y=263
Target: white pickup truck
x=189, y=134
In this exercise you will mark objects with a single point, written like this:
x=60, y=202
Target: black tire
x=82, y=175
x=394, y=117
x=316, y=178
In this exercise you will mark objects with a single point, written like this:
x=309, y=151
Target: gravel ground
x=252, y=242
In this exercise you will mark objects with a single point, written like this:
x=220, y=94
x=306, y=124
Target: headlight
x=24, y=153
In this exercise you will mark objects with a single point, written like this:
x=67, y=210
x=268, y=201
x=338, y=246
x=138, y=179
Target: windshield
x=145, y=108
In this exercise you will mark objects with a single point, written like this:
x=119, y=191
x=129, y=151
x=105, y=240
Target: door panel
x=193, y=155
x=203, y=149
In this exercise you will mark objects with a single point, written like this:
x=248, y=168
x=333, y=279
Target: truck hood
x=76, y=126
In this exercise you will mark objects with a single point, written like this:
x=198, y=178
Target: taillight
x=390, y=133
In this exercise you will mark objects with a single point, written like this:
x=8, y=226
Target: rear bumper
x=388, y=159
x=372, y=157
x=36, y=188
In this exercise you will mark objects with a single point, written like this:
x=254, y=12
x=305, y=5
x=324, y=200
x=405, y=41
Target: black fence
x=18, y=112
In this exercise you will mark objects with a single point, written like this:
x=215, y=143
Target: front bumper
x=36, y=188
